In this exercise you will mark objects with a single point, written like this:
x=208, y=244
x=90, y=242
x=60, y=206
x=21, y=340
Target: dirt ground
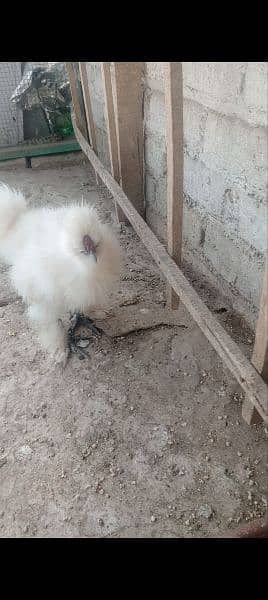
x=143, y=439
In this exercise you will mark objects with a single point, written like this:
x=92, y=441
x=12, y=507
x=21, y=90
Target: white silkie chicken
x=62, y=259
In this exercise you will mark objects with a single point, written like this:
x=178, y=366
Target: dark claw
x=78, y=320
x=82, y=353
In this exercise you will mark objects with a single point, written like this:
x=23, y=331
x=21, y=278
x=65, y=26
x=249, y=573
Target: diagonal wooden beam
x=242, y=369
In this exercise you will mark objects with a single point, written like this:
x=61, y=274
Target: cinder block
x=256, y=86
x=193, y=228
x=241, y=151
x=250, y=279
x=95, y=80
x=253, y=221
x=155, y=114
x=205, y=186
x=223, y=87
x=194, y=121
x=237, y=264
x=221, y=80
x=216, y=194
x=155, y=75
x=155, y=155
x=221, y=251
x=161, y=196
x=150, y=187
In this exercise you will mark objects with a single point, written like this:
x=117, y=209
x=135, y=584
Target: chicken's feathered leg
x=50, y=331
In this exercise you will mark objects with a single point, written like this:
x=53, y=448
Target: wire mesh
x=11, y=118
x=16, y=125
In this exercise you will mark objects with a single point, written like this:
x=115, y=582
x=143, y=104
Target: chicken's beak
x=89, y=247
x=90, y=253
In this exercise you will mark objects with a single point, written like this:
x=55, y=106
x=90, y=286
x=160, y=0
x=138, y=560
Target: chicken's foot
x=78, y=320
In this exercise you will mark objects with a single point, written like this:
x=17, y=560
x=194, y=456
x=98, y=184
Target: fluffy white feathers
x=48, y=266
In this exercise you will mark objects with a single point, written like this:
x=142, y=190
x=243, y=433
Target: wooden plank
x=249, y=413
x=174, y=113
x=88, y=110
x=111, y=130
x=111, y=122
x=260, y=350
x=88, y=107
x=73, y=80
x=227, y=349
x=129, y=123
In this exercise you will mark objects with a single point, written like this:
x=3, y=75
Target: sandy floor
x=144, y=439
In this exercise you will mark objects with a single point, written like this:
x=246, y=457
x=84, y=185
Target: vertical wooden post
x=88, y=110
x=174, y=113
x=88, y=107
x=260, y=350
x=111, y=131
x=78, y=111
x=129, y=126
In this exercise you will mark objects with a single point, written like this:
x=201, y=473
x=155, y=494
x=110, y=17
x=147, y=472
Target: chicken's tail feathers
x=12, y=206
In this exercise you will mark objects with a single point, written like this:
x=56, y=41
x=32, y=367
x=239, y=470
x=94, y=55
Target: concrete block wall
x=225, y=172
x=225, y=169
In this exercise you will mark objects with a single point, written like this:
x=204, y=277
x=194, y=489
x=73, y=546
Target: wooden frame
x=88, y=110
x=260, y=350
x=243, y=370
x=128, y=108
x=78, y=109
x=112, y=130
x=32, y=150
x=88, y=107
